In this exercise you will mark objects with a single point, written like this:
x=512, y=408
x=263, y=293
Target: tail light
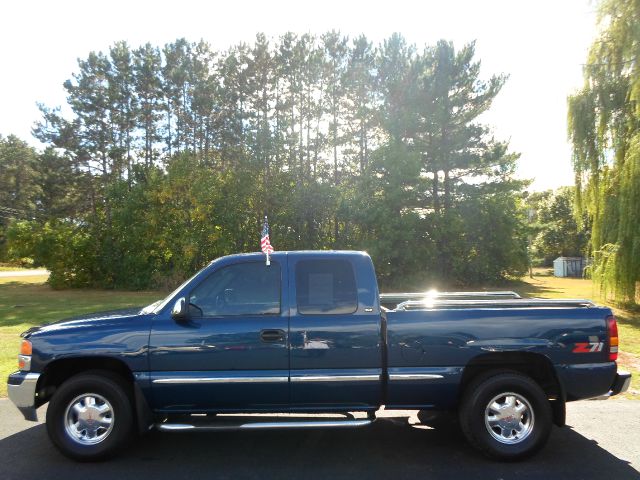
x=612, y=332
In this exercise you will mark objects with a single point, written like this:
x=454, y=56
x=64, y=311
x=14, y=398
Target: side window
x=241, y=289
x=325, y=287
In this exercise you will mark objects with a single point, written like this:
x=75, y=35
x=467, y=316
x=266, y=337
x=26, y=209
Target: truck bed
x=435, y=338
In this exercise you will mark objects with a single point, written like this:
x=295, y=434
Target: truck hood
x=97, y=320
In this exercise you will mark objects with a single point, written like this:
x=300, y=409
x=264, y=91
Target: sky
x=541, y=46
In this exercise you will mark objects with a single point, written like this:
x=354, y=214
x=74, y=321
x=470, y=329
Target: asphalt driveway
x=602, y=442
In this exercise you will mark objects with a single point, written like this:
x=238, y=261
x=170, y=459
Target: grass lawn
x=28, y=301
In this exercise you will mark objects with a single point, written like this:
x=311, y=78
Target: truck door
x=231, y=354
x=336, y=356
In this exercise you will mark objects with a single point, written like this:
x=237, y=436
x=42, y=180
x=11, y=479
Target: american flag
x=265, y=243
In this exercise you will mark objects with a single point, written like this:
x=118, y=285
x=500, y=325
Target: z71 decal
x=593, y=345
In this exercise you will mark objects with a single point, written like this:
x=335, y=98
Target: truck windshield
x=155, y=307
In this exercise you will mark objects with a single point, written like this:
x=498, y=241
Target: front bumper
x=22, y=392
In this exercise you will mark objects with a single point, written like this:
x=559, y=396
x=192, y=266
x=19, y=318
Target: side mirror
x=179, y=310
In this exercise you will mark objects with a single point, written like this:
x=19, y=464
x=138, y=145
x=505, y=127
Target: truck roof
x=306, y=253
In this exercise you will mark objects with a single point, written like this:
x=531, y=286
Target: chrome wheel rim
x=509, y=418
x=89, y=419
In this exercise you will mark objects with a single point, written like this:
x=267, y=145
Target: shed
x=569, y=266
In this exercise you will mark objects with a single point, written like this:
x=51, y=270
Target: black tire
x=111, y=388
x=529, y=397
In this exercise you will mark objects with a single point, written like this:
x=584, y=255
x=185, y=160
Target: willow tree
x=604, y=127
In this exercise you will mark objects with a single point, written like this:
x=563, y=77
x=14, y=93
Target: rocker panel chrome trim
x=335, y=378
x=414, y=376
x=196, y=380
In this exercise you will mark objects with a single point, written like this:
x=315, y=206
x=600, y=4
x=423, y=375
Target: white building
x=569, y=266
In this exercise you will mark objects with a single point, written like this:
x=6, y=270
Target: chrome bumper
x=21, y=387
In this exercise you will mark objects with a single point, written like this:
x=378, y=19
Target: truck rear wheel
x=506, y=416
x=90, y=417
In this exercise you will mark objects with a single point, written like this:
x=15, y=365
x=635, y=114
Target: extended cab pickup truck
x=310, y=334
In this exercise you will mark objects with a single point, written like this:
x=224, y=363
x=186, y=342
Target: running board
x=224, y=425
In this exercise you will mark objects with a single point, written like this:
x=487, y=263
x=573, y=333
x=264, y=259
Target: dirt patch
x=629, y=360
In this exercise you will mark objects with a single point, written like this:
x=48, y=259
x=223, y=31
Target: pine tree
x=19, y=177
x=147, y=84
x=124, y=102
x=451, y=97
x=361, y=101
x=335, y=65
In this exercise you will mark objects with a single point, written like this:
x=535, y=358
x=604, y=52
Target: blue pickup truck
x=310, y=334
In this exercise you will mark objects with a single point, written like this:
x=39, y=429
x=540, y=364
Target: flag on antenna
x=265, y=243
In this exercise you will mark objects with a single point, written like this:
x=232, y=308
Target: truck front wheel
x=90, y=416
x=506, y=416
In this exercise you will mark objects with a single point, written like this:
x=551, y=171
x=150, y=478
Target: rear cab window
x=325, y=287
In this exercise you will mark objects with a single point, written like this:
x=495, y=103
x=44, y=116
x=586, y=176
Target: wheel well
x=534, y=365
x=58, y=371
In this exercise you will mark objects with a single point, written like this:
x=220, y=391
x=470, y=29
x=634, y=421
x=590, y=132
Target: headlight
x=24, y=359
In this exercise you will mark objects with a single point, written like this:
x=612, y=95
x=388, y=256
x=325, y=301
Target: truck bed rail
x=436, y=294
x=436, y=303
x=391, y=300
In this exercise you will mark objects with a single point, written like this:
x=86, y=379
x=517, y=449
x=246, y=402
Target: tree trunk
x=436, y=199
x=447, y=190
x=169, y=139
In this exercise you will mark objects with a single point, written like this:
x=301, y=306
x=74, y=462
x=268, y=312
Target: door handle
x=272, y=335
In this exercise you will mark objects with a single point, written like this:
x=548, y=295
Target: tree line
x=553, y=227
x=167, y=157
